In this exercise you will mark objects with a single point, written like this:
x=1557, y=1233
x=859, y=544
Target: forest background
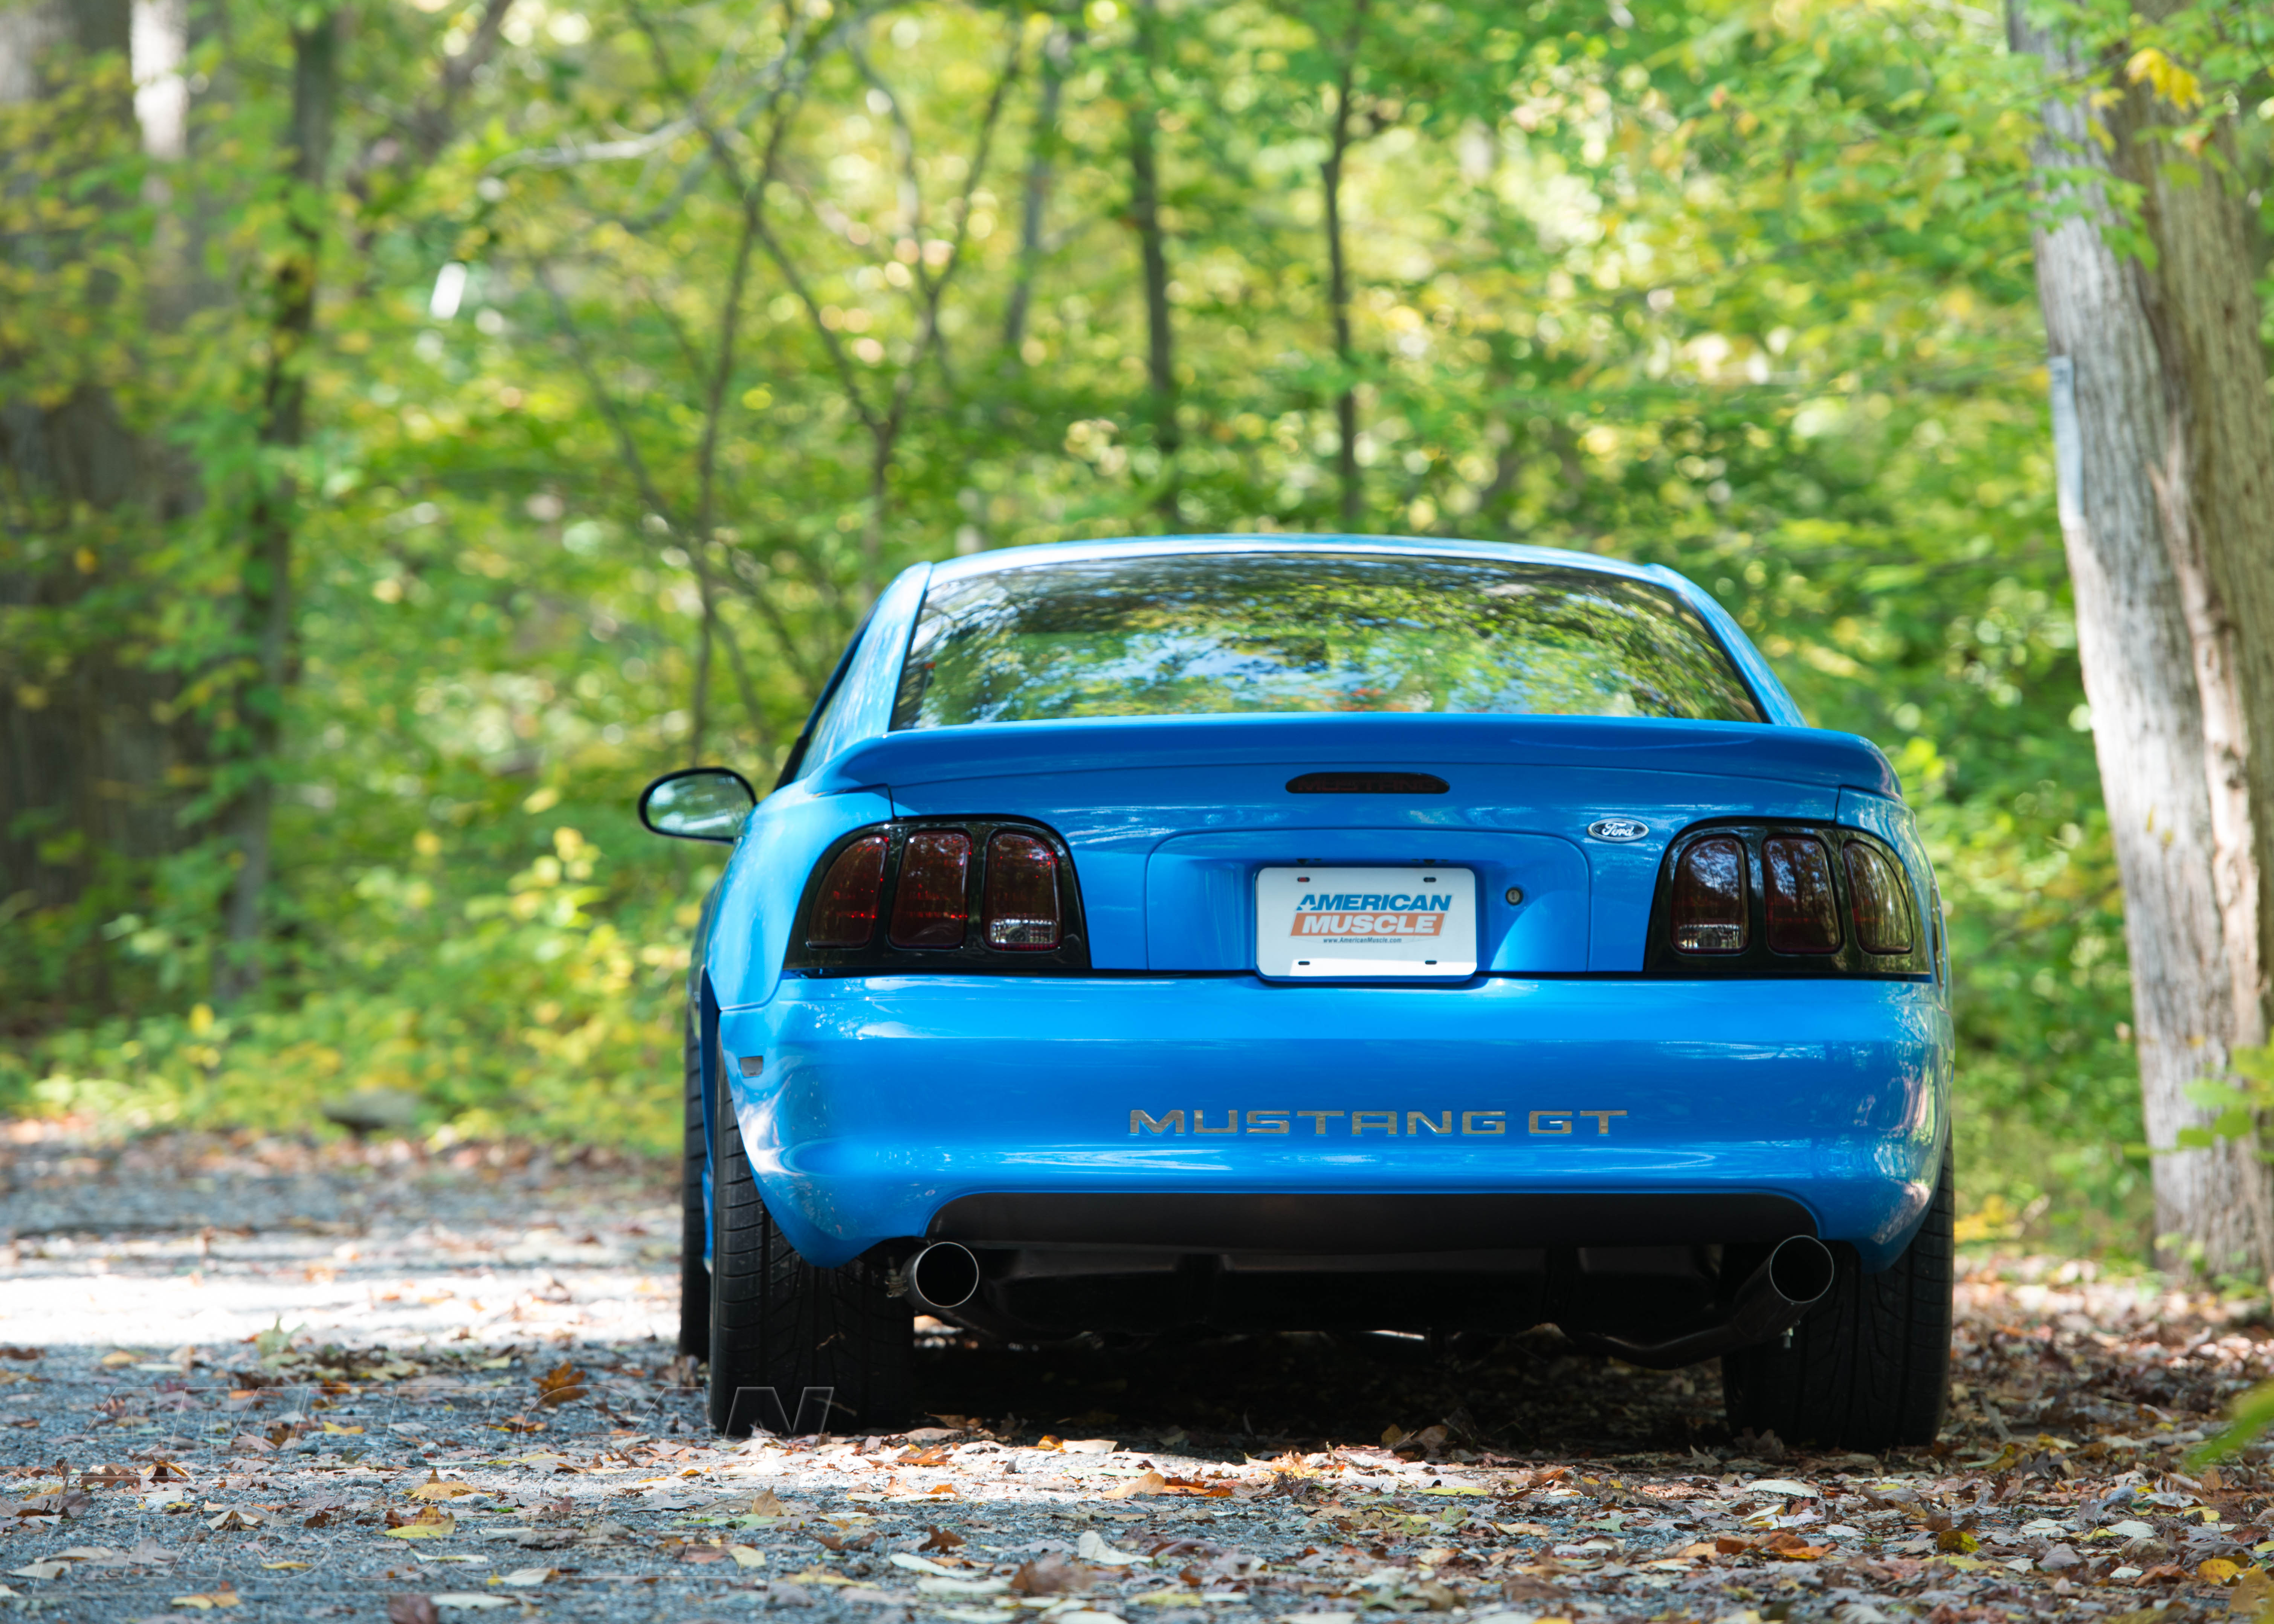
x=423, y=421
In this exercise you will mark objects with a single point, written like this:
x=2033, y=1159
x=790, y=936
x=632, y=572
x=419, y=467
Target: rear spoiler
x=1380, y=740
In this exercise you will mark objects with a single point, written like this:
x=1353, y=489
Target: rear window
x=1212, y=634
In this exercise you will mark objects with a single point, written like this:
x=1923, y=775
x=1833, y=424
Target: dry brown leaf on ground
x=428, y=1524
x=412, y=1610
x=435, y=1488
x=563, y=1384
x=1050, y=1575
x=223, y=1595
x=941, y=1539
x=1145, y=1483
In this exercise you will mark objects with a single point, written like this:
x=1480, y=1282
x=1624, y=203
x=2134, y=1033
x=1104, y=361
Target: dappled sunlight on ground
x=299, y=1382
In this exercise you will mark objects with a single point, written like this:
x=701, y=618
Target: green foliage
x=746, y=314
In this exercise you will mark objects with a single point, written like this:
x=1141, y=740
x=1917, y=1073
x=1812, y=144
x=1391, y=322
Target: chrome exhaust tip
x=944, y=1275
x=1801, y=1270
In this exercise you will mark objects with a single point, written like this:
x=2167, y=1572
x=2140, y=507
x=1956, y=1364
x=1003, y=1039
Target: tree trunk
x=2148, y=515
x=92, y=757
x=1041, y=161
x=1152, y=249
x=267, y=603
x=1331, y=177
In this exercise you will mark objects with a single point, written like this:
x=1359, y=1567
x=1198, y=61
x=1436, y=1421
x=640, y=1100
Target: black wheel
x=781, y=1326
x=694, y=1270
x=1870, y=1368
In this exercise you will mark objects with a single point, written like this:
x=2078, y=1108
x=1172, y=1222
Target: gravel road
x=284, y=1382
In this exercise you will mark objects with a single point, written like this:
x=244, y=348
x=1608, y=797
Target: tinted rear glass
x=1207, y=634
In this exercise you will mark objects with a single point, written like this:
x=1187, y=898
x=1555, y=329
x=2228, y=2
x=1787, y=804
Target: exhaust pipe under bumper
x=941, y=1277
x=1774, y=1298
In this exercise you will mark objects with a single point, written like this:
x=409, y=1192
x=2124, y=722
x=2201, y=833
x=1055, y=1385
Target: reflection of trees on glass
x=1184, y=634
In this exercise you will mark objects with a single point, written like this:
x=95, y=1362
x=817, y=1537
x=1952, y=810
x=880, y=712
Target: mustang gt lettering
x=1241, y=817
x=1484, y=1123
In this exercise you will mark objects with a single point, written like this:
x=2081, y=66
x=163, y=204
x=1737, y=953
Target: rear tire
x=1870, y=1368
x=694, y=1226
x=779, y=1322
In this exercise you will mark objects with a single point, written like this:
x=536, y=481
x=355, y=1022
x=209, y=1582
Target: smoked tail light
x=960, y=894
x=1022, y=894
x=1803, y=913
x=1710, y=911
x=1883, y=919
x=843, y=913
x=930, y=907
x=1771, y=899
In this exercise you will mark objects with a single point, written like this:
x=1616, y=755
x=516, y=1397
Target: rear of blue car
x=1328, y=934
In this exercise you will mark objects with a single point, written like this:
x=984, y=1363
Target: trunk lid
x=1168, y=819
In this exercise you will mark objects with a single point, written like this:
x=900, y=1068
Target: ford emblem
x=1617, y=828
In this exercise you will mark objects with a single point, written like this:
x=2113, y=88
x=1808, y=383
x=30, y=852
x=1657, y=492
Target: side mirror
x=698, y=803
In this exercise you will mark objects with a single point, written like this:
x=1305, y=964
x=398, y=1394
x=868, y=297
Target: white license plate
x=1406, y=923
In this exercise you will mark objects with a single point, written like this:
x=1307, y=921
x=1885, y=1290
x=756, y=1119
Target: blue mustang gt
x=1321, y=932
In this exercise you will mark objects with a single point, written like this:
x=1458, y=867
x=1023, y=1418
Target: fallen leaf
x=1050, y=1575
x=1786, y=1546
x=110, y=1477
x=747, y=1556
x=1957, y=1539
x=766, y=1504
x=234, y=1521
x=2217, y=1570
x=1784, y=1488
x=113, y=1360
x=411, y=1610
x=1091, y=1547
x=205, y=1601
x=428, y=1524
x=561, y=1384
x=251, y=1443
x=941, y=1539
x=1146, y=1483
x=40, y=1570
x=527, y=1575
x=931, y=1587
x=469, y=1598
x=434, y=1488
x=22, y=1353
x=335, y=1428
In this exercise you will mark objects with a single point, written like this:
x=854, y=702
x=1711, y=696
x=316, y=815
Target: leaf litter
x=1265, y=1478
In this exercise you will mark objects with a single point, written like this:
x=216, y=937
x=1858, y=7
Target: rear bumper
x=1226, y=1115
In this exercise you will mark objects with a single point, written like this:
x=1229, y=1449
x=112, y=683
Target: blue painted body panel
x=884, y=1097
